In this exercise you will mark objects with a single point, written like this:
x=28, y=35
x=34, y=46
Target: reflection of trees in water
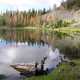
x=32, y=36
x=7, y=34
x=71, y=49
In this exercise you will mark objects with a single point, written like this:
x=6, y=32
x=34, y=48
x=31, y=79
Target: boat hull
x=29, y=70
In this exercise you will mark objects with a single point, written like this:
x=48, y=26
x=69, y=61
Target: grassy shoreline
x=65, y=71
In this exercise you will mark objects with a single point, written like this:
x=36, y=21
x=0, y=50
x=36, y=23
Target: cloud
x=30, y=3
x=16, y=2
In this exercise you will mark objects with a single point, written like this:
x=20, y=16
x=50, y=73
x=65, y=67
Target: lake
x=28, y=46
x=23, y=54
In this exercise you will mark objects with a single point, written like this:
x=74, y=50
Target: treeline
x=71, y=4
x=23, y=18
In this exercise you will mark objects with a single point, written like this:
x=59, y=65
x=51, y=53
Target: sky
x=27, y=4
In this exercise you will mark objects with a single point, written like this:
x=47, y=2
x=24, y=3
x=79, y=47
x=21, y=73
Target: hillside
x=67, y=12
x=71, y=4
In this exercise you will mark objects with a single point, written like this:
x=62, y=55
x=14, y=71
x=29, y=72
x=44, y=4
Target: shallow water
x=35, y=47
x=27, y=46
x=10, y=55
x=23, y=54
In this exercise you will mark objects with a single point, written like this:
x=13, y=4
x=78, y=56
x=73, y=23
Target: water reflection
x=29, y=54
x=26, y=54
x=31, y=36
x=22, y=47
x=22, y=54
x=7, y=43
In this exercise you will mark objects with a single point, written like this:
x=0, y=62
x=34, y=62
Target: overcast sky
x=27, y=4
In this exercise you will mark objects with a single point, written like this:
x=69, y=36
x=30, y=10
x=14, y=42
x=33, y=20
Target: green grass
x=64, y=72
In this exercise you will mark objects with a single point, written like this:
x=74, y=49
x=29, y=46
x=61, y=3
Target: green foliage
x=23, y=18
x=61, y=23
x=57, y=24
x=2, y=21
x=67, y=72
x=72, y=4
x=61, y=35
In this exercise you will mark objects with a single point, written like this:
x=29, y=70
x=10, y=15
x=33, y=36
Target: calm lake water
x=26, y=46
x=22, y=47
x=23, y=53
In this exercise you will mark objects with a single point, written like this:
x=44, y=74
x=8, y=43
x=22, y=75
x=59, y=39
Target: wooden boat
x=28, y=69
x=23, y=68
x=31, y=69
